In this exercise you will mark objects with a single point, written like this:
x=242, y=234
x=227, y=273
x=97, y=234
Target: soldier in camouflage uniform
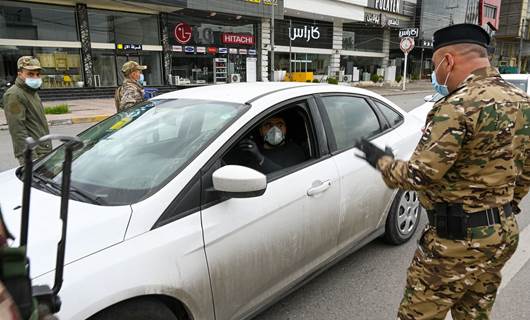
x=471, y=170
x=23, y=108
x=131, y=91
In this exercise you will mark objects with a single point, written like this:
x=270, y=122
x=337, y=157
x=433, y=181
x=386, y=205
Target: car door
x=364, y=196
x=257, y=247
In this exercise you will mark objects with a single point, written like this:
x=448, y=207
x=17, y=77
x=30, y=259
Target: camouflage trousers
x=458, y=275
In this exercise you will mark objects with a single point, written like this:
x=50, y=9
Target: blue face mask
x=441, y=89
x=33, y=83
x=141, y=80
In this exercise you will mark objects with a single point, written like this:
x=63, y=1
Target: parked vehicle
x=163, y=222
x=522, y=81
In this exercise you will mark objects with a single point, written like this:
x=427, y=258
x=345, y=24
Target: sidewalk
x=95, y=110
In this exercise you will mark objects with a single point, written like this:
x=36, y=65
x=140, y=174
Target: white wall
x=351, y=10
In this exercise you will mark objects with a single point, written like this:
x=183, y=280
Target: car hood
x=91, y=228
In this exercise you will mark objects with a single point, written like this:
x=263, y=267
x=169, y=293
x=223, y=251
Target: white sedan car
x=170, y=219
x=521, y=81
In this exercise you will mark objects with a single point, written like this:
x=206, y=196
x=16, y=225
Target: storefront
x=303, y=45
x=45, y=31
x=211, y=48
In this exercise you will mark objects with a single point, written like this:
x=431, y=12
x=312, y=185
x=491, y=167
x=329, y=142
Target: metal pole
x=405, y=71
x=290, y=48
x=519, y=64
x=272, y=42
x=421, y=62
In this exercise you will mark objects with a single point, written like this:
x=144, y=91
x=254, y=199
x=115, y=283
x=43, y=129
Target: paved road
x=367, y=284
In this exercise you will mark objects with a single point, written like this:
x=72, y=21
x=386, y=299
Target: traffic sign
x=409, y=32
x=406, y=45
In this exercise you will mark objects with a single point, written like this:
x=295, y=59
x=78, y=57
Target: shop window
x=123, y=27
x=62, y=67
x=37, y=21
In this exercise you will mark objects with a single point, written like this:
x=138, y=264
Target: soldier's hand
x=371, y=152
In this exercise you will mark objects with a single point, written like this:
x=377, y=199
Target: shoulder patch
x=14, y=108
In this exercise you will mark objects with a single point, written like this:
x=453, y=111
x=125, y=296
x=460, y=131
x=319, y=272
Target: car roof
x=247, y=92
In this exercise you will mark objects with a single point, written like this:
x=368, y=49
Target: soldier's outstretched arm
x=436, y=152
x=15, y=112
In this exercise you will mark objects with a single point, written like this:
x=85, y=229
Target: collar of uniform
x=130, y=81
x=20, y=82
x=479, y=74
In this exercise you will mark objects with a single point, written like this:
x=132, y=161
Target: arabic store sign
x=304, y=33
x=381, y=19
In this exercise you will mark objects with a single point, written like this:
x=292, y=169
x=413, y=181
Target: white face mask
x=274, y=136
x=33, y=83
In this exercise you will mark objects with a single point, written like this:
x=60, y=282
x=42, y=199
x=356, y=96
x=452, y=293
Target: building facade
x=512, y=38
x=182, y=42
x=197, y=42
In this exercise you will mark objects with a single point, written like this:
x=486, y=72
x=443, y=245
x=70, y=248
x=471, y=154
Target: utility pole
x=523, y=33
x=449, y=7
x=272, y=41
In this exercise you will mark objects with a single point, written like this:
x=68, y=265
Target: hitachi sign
x=388, y=5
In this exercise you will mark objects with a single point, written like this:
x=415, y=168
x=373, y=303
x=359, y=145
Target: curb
x=78, y=120
x=69, y=121
x=406, y=92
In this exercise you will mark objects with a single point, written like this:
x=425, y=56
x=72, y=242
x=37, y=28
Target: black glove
x=250, y=147
x=371, y=152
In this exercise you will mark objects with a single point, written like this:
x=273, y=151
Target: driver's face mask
x=274, y=136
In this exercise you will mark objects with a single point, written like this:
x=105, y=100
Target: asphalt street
x=369, y=283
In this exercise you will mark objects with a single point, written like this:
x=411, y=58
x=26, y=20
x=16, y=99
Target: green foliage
x=415, y=76
x=374, y=78
x=58, y=109
x=316, y=81
x=398, y=78
x=333, y=81
x=308, y=81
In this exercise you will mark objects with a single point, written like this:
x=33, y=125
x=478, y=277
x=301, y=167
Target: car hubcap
x=408, y=212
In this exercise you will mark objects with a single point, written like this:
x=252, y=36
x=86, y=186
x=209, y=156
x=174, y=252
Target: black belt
x=487, y=217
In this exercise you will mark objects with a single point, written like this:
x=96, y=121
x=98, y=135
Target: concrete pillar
x=264, y=49
x=386, y=48
x=334, y=67
x=86, y=45
x=166, y=48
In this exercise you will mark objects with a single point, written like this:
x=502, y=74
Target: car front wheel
x=403, y=218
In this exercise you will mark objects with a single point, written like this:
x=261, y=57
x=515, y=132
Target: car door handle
x=323, y=186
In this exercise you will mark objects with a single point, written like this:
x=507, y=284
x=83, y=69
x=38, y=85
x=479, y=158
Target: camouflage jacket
x=474, y=149
x=128, y=94
x=25, y=118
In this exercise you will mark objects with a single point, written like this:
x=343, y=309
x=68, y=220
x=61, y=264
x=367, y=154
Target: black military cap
x=460, y=33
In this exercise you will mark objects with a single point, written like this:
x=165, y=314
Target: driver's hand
x=250, y=147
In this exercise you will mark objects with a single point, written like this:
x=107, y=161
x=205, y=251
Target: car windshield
x=134, y=153
x=521, y=84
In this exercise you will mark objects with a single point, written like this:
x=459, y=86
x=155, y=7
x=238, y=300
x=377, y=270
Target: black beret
x=460, y=33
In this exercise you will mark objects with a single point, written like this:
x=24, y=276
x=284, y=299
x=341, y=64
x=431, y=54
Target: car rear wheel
x=137, y=309
x=403, y=218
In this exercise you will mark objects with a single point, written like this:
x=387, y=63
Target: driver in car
x=275, y=152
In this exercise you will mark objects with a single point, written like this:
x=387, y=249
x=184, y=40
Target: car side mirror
x=239, y=182
x=428, y=98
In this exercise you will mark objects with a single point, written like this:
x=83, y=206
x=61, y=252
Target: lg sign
x=183, y=32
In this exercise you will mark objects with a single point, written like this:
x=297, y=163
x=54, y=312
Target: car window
x=279, y=141
x=392, y=116
x=521, y=84
x=350, y=118
x=135, y=152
